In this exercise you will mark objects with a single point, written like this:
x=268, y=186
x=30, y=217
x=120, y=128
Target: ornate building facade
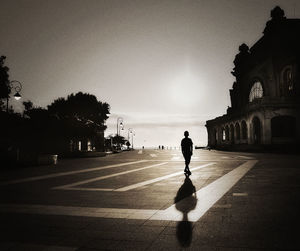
x=265, y=98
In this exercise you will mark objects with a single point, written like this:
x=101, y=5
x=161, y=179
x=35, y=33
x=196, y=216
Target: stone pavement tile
x=82, y=238
x=210, y=217
x=43, y=235
x=238, y=249
x=173, y=224
x=148, y=233
x=78, y=238
x=66, y=221
x=198, y=246
x=165, y=242
x=90, y=249
x=35, y=247
x=125, y=231
x=115, y=225
x=52, y=220
x=171, y=242
x=100, y=244
x=170, y=230
x=135, y=222
x=240, y=237
x=203, y=238
x=5, y=246
x=133, y=245
x=111, y=225
x=115, y=228
x=156, y=223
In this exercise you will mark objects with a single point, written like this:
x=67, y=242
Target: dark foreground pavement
x=137, y=201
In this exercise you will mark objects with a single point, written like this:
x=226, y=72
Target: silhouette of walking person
x=187, y=151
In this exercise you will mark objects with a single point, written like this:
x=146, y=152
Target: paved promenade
x=141, y=200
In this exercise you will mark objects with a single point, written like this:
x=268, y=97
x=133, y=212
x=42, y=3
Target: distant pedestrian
x=187, y=151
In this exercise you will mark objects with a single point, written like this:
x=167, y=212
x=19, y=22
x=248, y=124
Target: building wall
x=215, y=133
x=273, y=61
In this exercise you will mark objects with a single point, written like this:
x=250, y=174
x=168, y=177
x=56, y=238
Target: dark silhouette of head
x=186, y=134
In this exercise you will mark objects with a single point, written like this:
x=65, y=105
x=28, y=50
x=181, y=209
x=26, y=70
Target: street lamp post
x=129, y=131
x=17, y=86
x=119, y=124
x=133, y=134
x=119, y=127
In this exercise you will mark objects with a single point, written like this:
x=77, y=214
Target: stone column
x=266, y=131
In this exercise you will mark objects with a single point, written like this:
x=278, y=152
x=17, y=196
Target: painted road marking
x=153, y=155
x=197, y=160
x=244, y=157
x=78, y=211
x=175, y=158
x=104, y=177
x=222, y=206
x=147, y=182
x=240, y=194
x=42, y=177
x=206, y=196
x=85, y=189
x=140, y=152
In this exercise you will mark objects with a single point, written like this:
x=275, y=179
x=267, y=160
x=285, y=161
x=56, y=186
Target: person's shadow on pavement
x=185, y=201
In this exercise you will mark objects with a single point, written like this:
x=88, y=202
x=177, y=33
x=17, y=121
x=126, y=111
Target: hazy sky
x=163, y=66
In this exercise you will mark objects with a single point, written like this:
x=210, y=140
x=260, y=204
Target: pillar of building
x=249, y=132
x=266, y=132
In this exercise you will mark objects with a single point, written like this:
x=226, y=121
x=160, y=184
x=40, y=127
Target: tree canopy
x=4, y=79
x=81, y=110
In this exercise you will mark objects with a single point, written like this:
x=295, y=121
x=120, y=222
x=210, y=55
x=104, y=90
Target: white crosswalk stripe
x=69, y=186
x=206, y=198
x=244, y=157
x=147, y=182
x=42, y=177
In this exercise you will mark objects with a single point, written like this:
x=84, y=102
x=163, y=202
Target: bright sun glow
x=187, y=89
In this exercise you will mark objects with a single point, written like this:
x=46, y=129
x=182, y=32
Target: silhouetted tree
x=82, y=109
x=28, y=105
x=80, y=115
x=119, y=140
x=115, y=141
x=4, y=80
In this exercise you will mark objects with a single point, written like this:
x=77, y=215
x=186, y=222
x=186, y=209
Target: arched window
x=223, y=134
x=256, y=91
x=288, y=79
x=244, y=130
